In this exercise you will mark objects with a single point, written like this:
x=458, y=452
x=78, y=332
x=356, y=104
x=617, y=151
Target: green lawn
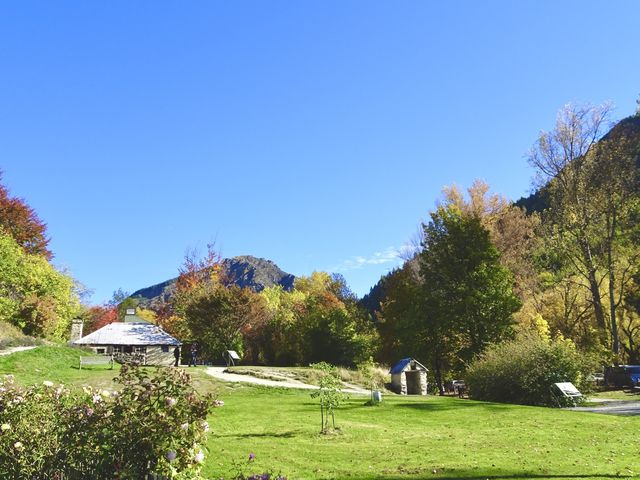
x=409, y=437
x=57, y=364
x=404, y=438
x=616, y=395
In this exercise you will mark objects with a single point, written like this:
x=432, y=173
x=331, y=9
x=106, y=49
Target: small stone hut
x=134, y=340
x=409, y=377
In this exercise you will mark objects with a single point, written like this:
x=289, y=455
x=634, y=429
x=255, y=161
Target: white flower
x=5, y=427
x=18, y=446
x=48, y=383
x=199, y=457
x=205, y=426
x=170, y=401
x=184, y=427
x=105, y=393
x=97, y=398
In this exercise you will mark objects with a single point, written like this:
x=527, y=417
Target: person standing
x=176, y=354
x=194, y=354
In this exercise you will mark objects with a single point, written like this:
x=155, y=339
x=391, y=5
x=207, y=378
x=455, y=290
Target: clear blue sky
x=316, y=134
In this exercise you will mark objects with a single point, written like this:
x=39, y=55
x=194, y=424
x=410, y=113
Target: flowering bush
x=154, y=424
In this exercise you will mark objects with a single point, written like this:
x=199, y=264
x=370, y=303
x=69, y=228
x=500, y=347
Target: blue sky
x=316, y=134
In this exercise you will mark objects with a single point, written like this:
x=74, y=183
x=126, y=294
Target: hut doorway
x=414, y=382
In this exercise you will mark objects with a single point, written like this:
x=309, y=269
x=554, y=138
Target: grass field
x=404, y=438
x=57, y=364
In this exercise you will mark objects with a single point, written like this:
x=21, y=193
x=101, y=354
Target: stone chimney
x=76, y=329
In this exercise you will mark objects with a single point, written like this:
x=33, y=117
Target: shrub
x=155, y=424
x=329, y=393
x=523, y=371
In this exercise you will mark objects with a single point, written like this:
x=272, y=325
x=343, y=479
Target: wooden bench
x=96, y=360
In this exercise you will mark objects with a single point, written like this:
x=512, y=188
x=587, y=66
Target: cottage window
x=138, y=349
x=165, y=348
x=100, y=351
x=117, y=349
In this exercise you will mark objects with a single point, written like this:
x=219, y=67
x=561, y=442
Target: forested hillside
x=571, y=250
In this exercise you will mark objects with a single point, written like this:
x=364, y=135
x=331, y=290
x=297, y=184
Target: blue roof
x=402, y=364
x=399, y=367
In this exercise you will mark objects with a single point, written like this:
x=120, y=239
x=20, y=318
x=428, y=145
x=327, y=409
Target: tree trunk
x=438, y=371
x=611, y=228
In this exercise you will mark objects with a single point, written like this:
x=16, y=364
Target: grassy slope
x=11, y=336
x=410, y=437
x=405, y=438
x=57, y=364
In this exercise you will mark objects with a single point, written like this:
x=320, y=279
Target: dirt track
x=219, y=373
x=9, y=351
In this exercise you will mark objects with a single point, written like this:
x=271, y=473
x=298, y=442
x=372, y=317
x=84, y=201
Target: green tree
x=33, y=294
x=400, y=309
x=218, y=317
x=468, y=298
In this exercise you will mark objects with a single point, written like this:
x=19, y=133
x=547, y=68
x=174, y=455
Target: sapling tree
x=368, y=371
x=329, y=393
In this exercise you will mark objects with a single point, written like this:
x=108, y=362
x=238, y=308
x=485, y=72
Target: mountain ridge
x=245, y=271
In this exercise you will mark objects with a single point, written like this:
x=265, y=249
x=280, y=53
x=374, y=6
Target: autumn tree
x=98, y=316
x=468, y=299
x=217, y=315
x=319, y=320
x=511, y=230
x=591, y=182
x=33, y=294
x=21, y=222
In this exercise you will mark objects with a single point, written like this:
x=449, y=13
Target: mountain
x=244, y=271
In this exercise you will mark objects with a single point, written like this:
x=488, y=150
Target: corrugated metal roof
x=402, y=364
x=119, y=333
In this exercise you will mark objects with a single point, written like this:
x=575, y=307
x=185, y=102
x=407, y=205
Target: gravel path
x=620, y=407
x=219, y=373
x=9, y=351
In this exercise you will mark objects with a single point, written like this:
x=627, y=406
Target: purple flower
x=252, y=456
x=171, y=455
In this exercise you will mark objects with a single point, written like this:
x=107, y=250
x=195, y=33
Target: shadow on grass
x=469, y=475
x=260, y=435
x=466, y=404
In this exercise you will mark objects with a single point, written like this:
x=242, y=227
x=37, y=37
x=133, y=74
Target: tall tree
x=21, y=222
x=590, y=184
x=468, y=295
x=511, y=230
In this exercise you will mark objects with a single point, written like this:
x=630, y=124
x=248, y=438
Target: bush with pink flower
x=155, y=423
